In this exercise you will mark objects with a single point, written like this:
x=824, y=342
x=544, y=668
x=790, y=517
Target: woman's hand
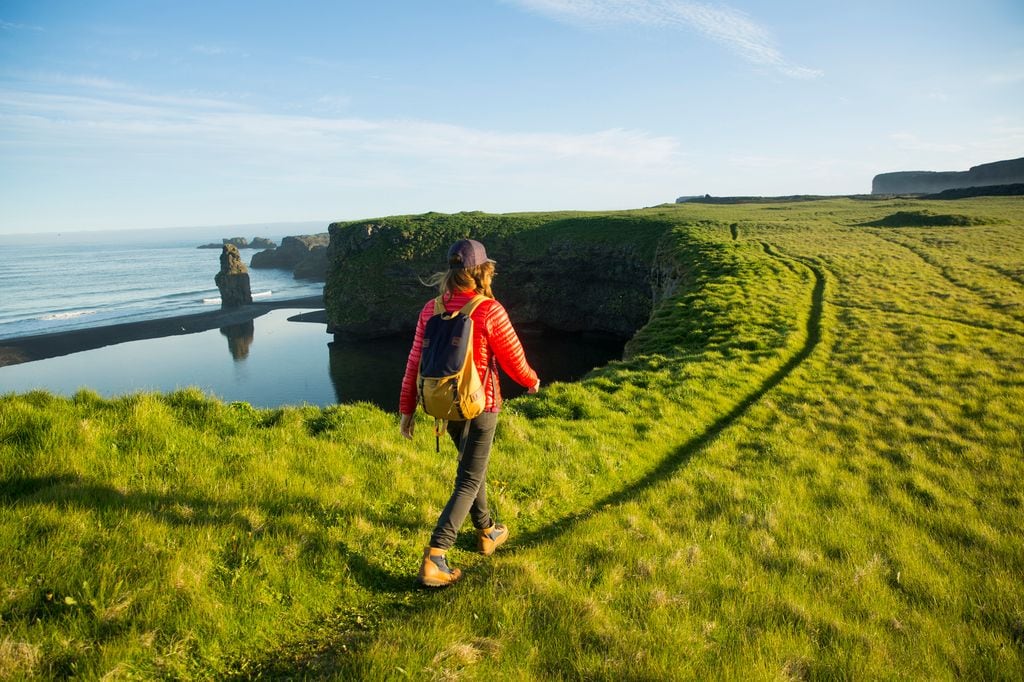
x=407, y=425
x=534, y=388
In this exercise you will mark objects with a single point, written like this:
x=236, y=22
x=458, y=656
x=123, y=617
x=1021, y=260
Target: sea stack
x=233, y=279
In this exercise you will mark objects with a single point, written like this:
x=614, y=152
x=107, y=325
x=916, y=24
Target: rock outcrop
x=1014, y=190
x=929, y=182
x=233, y=279
x=304, y=255
x=557, y=275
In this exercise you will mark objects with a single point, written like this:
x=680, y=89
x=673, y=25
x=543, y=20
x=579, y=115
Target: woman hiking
x=495, y=343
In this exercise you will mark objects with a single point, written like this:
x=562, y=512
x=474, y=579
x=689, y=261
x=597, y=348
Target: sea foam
x=66, y=316
x=262, y=294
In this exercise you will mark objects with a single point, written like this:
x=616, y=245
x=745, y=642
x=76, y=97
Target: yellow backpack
x=449, y=386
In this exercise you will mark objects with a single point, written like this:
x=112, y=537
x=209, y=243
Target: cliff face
x=927, y=182
x=574, y=287
x=551, y=274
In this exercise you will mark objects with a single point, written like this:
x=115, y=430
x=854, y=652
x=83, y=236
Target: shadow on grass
x=376, y=578
x=668, y=466
x=67, y=491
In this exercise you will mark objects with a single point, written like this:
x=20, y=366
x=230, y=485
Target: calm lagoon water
x=273, y=361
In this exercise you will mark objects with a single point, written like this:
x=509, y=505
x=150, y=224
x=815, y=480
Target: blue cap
x=467, y=253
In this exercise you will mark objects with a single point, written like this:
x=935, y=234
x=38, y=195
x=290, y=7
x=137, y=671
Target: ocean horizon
x=55, y=283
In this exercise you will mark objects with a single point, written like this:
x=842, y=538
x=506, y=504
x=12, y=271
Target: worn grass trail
x=808, y=466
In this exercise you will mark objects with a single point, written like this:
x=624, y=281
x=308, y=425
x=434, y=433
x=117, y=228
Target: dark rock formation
x=313, y=266
x=233, y=279
x=1014, y=190
x=545, y=280
x=243, y=243
x=305, y=255
x=928, y=182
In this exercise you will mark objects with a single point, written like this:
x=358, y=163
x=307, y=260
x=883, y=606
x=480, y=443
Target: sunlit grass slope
x=809, y=466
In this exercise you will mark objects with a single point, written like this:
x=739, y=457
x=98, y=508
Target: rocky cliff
x=580, y=273
x=928, y=182
x=304, y=255
x=233, y=279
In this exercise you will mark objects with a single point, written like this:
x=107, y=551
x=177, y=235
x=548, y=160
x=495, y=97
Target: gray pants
x=473, y=440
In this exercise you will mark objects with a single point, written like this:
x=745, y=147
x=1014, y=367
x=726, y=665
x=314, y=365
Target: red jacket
x=493, y=338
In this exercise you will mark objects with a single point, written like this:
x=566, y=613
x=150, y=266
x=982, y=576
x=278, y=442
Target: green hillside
x=809, y=466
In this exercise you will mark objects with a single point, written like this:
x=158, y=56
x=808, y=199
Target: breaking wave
x=262, y=294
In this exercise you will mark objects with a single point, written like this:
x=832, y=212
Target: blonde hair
x=477, y=278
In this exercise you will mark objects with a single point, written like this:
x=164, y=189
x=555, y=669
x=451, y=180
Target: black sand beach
x=42, y=346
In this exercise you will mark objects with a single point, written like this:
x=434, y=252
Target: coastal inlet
x=278, y=360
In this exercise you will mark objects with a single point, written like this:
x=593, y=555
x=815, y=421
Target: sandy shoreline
x=42, y=346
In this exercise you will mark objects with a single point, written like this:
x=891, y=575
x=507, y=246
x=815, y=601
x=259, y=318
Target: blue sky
x=143, y=114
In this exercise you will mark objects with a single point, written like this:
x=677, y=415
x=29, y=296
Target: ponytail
x=477, y=278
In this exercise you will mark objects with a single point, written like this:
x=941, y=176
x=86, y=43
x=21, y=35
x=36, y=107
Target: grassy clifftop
x=809, y=466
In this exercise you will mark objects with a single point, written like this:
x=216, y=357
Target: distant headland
x=987, y=175
x=1000, y=178
x=243, y=243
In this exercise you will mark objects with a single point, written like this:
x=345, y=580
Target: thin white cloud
x=139, y=121
x=81, y=81
x=323, y=63
x=10, y=26
x=332, y=104
x=112, y=91
x=722, y=24
x=218, y=50
x=264, y=162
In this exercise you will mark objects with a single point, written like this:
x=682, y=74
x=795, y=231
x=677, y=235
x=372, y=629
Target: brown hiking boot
x=435, y=572
x=491, y=538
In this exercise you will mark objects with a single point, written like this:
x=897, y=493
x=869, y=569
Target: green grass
x=808, y=467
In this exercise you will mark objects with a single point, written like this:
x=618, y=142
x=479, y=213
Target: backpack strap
x=472, y=305
x=439, y=426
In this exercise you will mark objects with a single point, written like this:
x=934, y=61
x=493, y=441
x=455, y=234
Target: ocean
x=61, y=283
